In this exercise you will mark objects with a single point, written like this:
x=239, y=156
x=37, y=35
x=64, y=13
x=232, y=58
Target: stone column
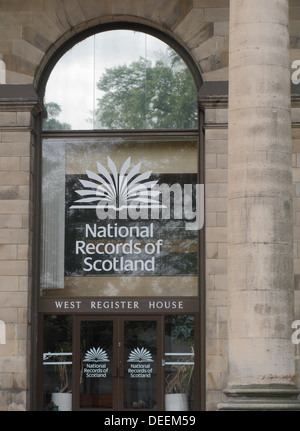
x=260, y=258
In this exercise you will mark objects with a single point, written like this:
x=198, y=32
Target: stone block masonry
x=16, y=181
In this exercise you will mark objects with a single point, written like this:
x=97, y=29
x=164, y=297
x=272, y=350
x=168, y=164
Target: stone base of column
x=253, y=398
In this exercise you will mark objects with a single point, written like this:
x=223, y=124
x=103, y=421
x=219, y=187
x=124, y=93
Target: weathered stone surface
x=216, y=14
x=171, y=12
x=54, y=9
x=73, y=12
x=90, y=8
x=190, y=23
x=260, y=252
x=36, y=38
x=24, y=49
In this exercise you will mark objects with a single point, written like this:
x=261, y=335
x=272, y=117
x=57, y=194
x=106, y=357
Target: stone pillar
x=260, y=254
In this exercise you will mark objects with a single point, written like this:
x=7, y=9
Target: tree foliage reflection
x=143, y=95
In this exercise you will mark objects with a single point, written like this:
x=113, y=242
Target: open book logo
x=140, y=355
x=132, y=194
x=117, y=191
x=96, y=355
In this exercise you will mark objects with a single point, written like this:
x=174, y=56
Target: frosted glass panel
x=53, y=216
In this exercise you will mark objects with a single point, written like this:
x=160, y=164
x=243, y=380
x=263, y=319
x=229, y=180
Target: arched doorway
x=121, y=268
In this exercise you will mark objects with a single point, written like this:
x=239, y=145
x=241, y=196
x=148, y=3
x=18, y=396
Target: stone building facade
x=244, y=51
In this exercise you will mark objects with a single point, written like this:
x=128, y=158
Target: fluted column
x=260, y=269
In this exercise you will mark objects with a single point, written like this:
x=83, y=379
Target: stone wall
x=16, y=214
x=216, y=149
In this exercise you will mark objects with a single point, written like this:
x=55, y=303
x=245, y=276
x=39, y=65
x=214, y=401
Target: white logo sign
x=96, y=355
x=131, y=194
x=140, y=355
x=96, y=366
x=140, y=366
x=118, y=192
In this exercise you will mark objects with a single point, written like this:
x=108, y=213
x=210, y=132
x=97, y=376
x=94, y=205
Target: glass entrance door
x=97, y=364
x=120, y=363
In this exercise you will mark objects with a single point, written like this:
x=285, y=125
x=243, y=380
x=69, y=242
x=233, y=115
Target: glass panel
x=179, y=362
x=140, y=350
x=57, y=363
x=96, y=359
x=120, y=79
x=136, y=239
x=53, y=216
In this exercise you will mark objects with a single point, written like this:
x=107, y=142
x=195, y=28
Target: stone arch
x=67, y=41
x=41, y=28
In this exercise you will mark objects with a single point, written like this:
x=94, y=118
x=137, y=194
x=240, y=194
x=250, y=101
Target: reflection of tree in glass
x=58, y=334
x=51, y=122
x=146, y=95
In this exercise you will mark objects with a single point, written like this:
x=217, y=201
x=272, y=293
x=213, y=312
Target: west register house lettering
x=118, y=305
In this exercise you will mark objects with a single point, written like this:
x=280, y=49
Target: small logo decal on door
x=140, y=355
x=96, y=355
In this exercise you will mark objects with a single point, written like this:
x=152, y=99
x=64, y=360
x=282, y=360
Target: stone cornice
x=213, y=94
x=19, y=98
